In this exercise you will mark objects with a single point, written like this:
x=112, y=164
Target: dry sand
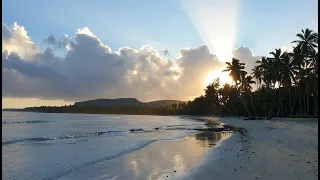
x=275, y=149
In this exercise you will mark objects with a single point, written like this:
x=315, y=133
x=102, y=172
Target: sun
x=225, y=56
x=223, y=77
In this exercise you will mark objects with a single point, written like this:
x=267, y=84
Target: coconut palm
x=276, y=65
x=211, y=92
x=227, y=100
x=246, y=83
x=313, y=62
x=246, y=87
x=277, y=74
x=308, y=40
x=288, y=71
x=257, y=74
x=235, y=68
x=266, y=66
x=305, y=56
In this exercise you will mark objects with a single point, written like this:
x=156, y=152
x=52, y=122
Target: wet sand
x=263, y=149
x=160, y=160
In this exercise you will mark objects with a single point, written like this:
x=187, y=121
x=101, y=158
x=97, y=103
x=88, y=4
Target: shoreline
x=172, y=159
x=225, y=148
x=179, y=115
x=277, y=149
x=159, y=160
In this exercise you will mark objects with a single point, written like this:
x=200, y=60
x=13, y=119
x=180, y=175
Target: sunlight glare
x=224, y=77
x=216, y=23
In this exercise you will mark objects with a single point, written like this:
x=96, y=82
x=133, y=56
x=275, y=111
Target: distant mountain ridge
x=125, y=102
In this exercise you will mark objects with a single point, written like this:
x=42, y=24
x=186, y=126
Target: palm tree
x=246, y=83
x=277, y=74
x=299, y=62
x=211, y=92
x=246, y=88
x=304, y=57
x=308, y=40
x=235, y=68
x=288, y=71
x=226, y=99
x=293, y=71
x=257, y=74
x=313, y=62
x=266, y=66
x=268, y=77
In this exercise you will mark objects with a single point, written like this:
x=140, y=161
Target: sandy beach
x=274, y=149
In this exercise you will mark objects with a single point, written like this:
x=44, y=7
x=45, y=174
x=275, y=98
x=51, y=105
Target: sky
x=59, y=52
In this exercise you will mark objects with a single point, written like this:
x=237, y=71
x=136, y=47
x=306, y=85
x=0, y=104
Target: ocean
x=52, y=146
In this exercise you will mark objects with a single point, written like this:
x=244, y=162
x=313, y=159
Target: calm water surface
x=52, y=146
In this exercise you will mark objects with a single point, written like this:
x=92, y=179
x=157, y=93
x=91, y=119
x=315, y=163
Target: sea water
x=51, y=146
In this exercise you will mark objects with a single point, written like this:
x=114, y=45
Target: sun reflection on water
x=161, y=159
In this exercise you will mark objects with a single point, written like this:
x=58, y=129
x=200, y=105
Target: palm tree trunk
x=234, y=109
x=304, y=104
x=307, y=92
x=253, y=107
x=290, y=99
x=300, y=101
x=294, y=101
x=270, y=114
x=280, y=102
x=229, y=110
x=316, y=104
x=246, y=107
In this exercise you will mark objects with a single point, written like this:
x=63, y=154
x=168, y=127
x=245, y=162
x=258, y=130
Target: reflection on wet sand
x=171, y=159
x=162, y=160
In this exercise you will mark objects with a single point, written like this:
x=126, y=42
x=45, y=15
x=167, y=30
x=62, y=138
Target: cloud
x=90, y=69
x=166, y=53
x=16, y=40
x=51, y=40
x=245, y=55
x=56, y=43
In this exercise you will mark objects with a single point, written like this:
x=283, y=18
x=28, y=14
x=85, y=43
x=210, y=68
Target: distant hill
x=125, y=102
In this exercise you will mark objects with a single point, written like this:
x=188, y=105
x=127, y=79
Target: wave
x=182, y=125
x=40, y=139
x=101, y=133
x=169, y=127
x=22, y=122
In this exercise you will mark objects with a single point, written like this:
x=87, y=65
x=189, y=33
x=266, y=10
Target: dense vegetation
x=287, y=85
x=173, y=109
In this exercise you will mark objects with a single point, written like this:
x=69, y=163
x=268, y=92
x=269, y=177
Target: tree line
x=287, y=86
x=174, y=109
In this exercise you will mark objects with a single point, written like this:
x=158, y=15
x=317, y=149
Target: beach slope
x=276, y=149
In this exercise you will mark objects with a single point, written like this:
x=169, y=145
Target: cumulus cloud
x=245, y=55
x=57, y=43
x=90, y=69
x=166, y=53
x=16, y=40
